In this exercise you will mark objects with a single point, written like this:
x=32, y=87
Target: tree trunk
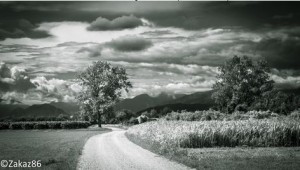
x=99, y=119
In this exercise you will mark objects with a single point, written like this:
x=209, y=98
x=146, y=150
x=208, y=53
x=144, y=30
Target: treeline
x=60, y=117
x=44, y=125
x=208, y=115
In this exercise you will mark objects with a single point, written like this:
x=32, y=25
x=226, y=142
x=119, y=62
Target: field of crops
x=197, y=134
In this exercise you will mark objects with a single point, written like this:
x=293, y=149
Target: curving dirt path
x=113, y=151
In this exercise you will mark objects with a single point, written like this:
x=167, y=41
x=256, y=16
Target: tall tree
x=102, y=86
x=240, y=82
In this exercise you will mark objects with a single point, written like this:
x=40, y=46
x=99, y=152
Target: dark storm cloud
x=129, y=43
x=287, y=16
x=23, y=28
x=280, y=53
x=187, y=15
x=123, y=22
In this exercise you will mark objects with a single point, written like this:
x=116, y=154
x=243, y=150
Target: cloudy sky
x=172, y=47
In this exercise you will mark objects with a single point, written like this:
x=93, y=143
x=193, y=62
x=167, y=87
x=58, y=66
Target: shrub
x=123, y=115
x=61, y=117
x=295, y=114
x=75, y=125
x=142, y=119
x=27, y=125
x=4, y=125
x=40, y=125
x=133, y=121
x=45, y=125
x=54, y=125
x=173, y=116
x=15, y=125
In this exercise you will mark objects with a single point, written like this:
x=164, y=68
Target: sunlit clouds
x=40, y=57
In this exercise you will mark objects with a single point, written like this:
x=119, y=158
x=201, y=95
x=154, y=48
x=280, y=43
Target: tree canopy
x=102, y=86
x=240, y=83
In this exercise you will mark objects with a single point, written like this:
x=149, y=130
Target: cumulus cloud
x=14, y=79
x=15, y=84
x=123, y=22
x=130, y=43
x=60, y=90
x=288, y=82
x=172, y=88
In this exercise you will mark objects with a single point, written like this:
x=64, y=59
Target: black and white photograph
x=150, y=85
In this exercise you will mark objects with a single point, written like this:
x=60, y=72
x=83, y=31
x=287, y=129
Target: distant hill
x=198, y=97
x=178, y=107
x=138, y=104
x=42, y=110
x=144, y=101
x=69, y=108
x=6, y=109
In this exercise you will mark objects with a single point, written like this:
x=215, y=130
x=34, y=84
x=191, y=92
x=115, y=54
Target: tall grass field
x=198, y=134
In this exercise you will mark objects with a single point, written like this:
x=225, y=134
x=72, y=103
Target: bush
x=54, y=125
x=40, y=125
x=133, y=121
x=61, y=117
x=15, y=125
x=27, y=125
x=142, y=119
x=123, y=116
x=45, y=125
x=295, y=114
x=75, y=125
x=4, y=125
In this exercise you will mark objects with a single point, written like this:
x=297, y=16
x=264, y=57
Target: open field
x=57, y=149
x=200, y=144
x=198, y=134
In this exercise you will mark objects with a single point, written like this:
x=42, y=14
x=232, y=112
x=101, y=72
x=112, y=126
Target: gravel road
x=113, y=151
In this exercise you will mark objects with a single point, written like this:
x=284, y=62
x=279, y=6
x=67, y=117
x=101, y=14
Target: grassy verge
x=57, y=149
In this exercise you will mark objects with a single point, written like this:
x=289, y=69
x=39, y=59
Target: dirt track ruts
x=113, y=151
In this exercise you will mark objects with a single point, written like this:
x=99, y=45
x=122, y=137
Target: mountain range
x=33, y=111
x=144, y=101
x=138, y=104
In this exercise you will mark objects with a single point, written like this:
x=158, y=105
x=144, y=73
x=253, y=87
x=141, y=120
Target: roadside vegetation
x=198, y=134
x=250, y=115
